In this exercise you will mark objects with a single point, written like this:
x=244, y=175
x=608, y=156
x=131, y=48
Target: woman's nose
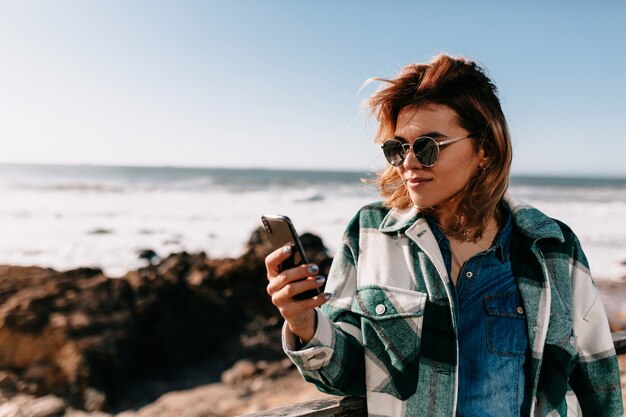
x=410, y=161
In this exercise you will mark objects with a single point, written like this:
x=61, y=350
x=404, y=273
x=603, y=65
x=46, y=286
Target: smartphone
x=281, y=232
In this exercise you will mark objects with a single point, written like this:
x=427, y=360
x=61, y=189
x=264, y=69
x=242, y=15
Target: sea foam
x=67, y=217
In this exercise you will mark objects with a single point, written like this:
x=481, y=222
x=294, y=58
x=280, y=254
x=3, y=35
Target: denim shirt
x=492, y=337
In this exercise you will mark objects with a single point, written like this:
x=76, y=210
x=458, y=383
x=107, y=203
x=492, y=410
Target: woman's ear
x=483, y=159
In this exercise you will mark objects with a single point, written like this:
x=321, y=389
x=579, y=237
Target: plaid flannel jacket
x=388, y=332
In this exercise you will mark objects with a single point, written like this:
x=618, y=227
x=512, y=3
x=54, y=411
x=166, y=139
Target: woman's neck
x=446, y=218
x=462, y=250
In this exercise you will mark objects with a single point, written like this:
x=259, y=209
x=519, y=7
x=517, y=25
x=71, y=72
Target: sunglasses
x=425, y=148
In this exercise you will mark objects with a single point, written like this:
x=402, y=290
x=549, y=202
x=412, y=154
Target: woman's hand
x=283, y=285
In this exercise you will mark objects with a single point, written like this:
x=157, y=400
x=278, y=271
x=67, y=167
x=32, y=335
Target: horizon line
x=513, y=174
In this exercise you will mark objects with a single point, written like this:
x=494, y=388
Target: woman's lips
x=417, y=182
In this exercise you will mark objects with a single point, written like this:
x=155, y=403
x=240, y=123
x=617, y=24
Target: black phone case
x=281, y=232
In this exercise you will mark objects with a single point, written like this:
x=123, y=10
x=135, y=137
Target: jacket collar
x=527, y=220
x=531, y=222
x=399, y=220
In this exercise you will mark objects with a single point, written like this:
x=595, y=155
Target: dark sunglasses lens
x=426, y=151
x=394, y=152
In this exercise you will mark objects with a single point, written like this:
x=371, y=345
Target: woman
x=451, y=298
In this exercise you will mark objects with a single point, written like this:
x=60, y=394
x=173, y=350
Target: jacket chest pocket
x=506, y=324
x=391, y=326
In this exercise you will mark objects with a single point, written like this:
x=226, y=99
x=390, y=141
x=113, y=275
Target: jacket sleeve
x=333, y=360
x=595, y=378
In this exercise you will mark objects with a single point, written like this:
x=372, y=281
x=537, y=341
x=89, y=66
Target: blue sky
x=277, y=84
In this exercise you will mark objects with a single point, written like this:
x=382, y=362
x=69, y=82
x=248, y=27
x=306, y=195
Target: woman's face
x=457, y=163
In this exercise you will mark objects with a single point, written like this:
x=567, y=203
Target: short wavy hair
x=463, y=86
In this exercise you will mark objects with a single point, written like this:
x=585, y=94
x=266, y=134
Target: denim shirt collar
x=503, y=238
x=501, y=243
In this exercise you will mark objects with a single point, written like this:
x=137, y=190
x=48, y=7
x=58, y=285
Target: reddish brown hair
x=463, y=86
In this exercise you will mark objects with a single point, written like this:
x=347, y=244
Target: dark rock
x=84, y=337
x=149, y=255
x=8, y=381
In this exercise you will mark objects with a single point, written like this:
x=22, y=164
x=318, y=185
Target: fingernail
x=287, y=249
x=313, y=269
x=320, y=279
x=327, y=295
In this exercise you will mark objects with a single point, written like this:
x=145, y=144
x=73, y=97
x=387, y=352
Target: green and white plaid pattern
x=389, y=333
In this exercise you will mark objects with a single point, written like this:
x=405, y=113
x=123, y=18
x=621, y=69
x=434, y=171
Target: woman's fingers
x=284, y=285
x=298, y=313
x=311, y=303
x=273, y=260
x=282, y=290
x=294, y=274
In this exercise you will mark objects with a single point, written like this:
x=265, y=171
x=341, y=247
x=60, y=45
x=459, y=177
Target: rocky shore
x=80, y=343
x=188, y=336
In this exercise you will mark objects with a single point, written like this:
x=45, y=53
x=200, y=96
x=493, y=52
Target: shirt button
x=380, y=309
x=520, y=310
x=469, y=274
x=535, y=328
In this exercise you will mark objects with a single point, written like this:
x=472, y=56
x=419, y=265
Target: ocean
x=72, y=216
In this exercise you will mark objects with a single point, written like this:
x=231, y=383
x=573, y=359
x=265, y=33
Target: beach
x=111, y=276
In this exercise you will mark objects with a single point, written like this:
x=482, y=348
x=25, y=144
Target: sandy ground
x=227, y=400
